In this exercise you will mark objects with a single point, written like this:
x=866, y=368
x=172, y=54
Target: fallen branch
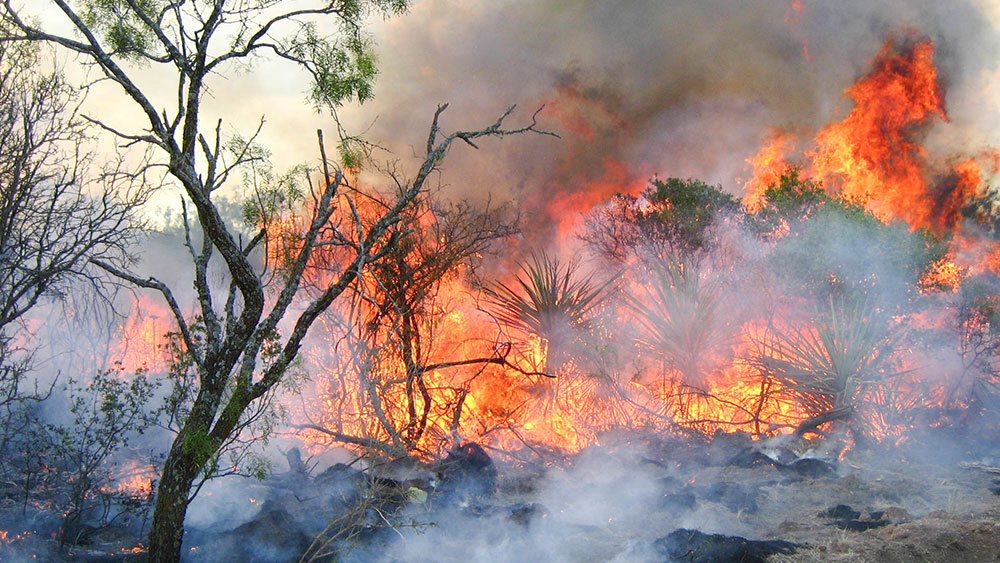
x=347, y=438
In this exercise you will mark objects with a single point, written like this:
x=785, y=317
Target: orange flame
x=873, y=156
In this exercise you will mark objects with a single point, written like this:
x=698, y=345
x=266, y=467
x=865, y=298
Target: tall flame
x=873, y=156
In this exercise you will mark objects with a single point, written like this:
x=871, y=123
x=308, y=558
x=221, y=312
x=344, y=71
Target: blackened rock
x=841, y=511
x=859, y=525
x=750, y=458
x=521, y=513
x=525, y=512
x=338, y=474
x=734, y=496
x=467, y=472
x=678, y=501
x=811, y=467
x=274, y=535
x=692, y=546
x=726, y=445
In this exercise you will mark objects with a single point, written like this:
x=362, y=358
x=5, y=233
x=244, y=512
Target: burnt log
x=813, y=423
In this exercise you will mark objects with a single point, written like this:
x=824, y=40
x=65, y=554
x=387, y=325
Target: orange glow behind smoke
x=793, y=15
x=142, y=339
x=570, y=207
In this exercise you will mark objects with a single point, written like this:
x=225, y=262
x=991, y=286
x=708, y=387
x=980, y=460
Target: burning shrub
x=107, y=413
x=833, y=247
x=828, y=363
x=977, y=308
x=402, y=350
x=683, y=320
x=673, y=219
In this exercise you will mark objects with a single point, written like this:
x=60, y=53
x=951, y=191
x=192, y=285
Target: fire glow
x=872, y=156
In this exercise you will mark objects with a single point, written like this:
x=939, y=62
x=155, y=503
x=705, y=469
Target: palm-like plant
x=826, y=366
x=549, y=300
x=682, y=319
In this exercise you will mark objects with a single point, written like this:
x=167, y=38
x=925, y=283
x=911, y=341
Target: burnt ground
x=723, y=502
x=639, y=499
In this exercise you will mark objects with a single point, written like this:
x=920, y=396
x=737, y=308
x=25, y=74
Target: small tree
x=855, y=273
x=106, y=414
x=386, y=337
x=673, y=220
x=669, y=237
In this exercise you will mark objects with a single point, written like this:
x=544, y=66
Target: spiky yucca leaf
x=550, y=301
x=825, y=365
x=681, y=318
x=548, y=297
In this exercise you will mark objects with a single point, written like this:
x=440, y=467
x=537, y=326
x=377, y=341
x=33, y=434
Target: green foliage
x=342, y=70
x=835, y=248
x=122, y=26
x=672, y=220
x=269, y=196
x=352, y=153
x=105, y=414
x=791, y=200
x=683, y=211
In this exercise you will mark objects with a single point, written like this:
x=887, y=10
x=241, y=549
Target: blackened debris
x=467, y=472
x=750, y=457
x=841, y=512
x=734, y=496
x=692, y=546
x=811, y=467
x=846, y=518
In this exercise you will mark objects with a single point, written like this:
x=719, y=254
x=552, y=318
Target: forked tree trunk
x=167, y=533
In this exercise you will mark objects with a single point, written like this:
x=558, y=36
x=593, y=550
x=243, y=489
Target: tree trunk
x=167, y=532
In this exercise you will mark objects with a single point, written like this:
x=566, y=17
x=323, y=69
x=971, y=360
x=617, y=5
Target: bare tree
x=54, y=217
x=237, y=348
x=386, y=338
x=57, y=212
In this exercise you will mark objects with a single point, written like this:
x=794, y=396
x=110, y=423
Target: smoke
x=686, y=89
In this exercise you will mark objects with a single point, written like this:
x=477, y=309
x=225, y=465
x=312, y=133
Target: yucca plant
x=550, y=300
x=682, y=318
x=828, y=364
